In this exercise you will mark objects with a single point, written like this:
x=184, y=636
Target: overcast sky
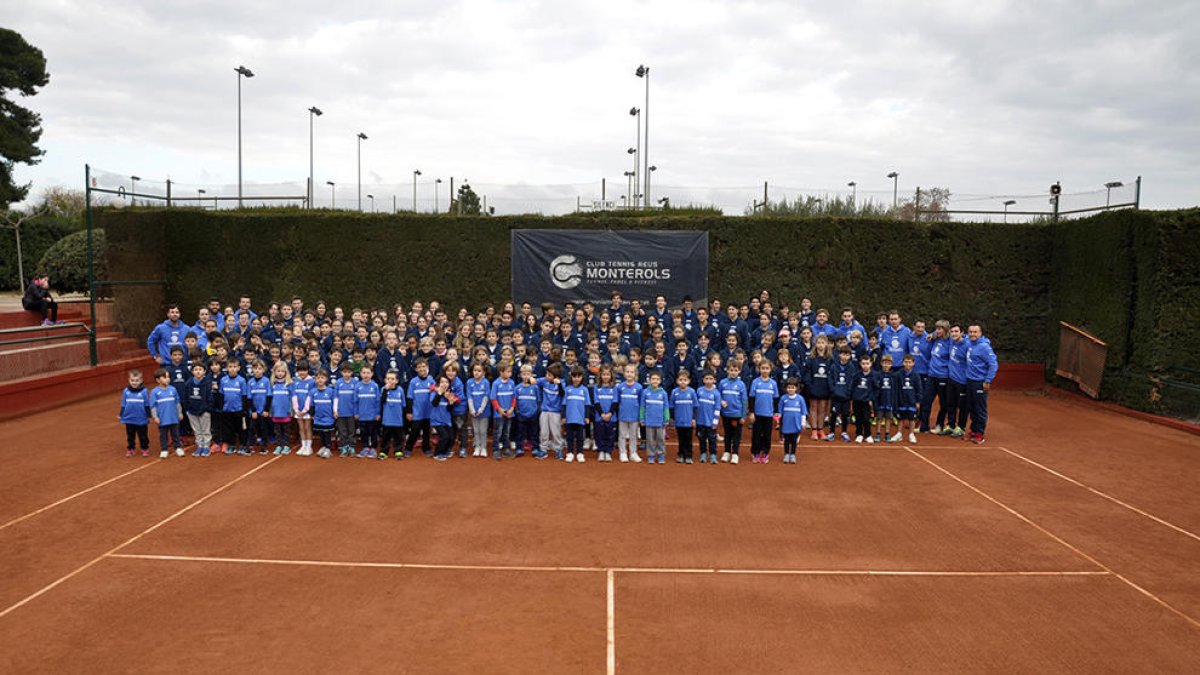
x=987, y=98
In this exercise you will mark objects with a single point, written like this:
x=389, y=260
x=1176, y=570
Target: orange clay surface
x=1069, y=542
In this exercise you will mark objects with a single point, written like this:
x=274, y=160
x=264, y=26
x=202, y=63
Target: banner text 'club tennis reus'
x=577, y=265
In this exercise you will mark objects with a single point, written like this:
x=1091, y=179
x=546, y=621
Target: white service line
x=1106, y=568
x=137, y=536
x=612, y=627
x=64, y=500
x=1109, y=497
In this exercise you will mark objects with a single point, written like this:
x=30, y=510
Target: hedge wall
x=996, y=273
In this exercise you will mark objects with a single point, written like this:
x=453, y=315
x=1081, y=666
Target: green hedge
x=991, y=272
x=37, y=236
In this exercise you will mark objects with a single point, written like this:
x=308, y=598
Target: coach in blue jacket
x=981, y=370
x=166, y=335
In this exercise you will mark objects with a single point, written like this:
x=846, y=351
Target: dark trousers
x=733, y=434
x=260, y=429
x=345, y=432
x=368, y=432
x=760, y=435
x=391, y=438
x=606, y=435
x=685, y=441
x=977, y=402
x=956, y=404
x=168, y=435
x=789, y=443
x=235, y=428
x=501, y=433
x=47, y=307
x=708, y=440
x=862, y=418
x=934, y=388
x=527, y=432
x=418, y=428
x=280, y=432
x=325, y=434
x=839, y=410
x=575, y=438
x=139, y=433
x=445, y=439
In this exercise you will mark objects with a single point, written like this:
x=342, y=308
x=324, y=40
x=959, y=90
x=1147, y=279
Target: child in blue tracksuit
x=302, y=388
x=166, y=410
x=323, y=398
x=135, y=414
x=733, y=409
x=179, y=371
x=260, y=397
x=708, y=416
x=281, y=407
x=841, y=384
x=655, y=414
x=577, y=410
x=346, y=390
x=862, y=397
x=908, y=396
x=503, y=397
x=792, y=411
x=441, y=419
x=479, y=407
x=197, y=404
x=392, y=405
x=550, y=419
x=885, y=400
x=763, y=394
x=605, y=404
x=366, y=411
x=235, y=400
x=629, y=410
x=529, y=404
x=420, y=397
x=683, y=409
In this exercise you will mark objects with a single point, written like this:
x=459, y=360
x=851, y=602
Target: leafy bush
x=37, y=236
x=66, y=262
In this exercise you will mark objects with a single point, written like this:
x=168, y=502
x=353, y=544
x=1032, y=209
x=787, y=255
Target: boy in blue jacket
x=655, y=414
x=392, y=404
x=503, y=396
x=260, y=398
x=550, y=419
x=197, y=404
x=862, y=396
x=577, y=411
x=763, y=394
x=908, y=395
x=683, y=409
x=708, y=416
x=885, y=401
x=346, y=391
x=367, y=412
x=323, y=398
x=841, y=386
x=166, y=410
x=733, y=409
x=790, y=418
x=135, y=414
x=956, y=385
x=235, y=400
x=420, y=395
x=529, y=404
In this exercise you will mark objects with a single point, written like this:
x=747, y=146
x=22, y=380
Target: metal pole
x=1137, y=193
x=451, y=205
x=603, y=189
x=310, y=158
x=168, y=193
x=646, y=145
x=646, y=197
x=20, y=263
x=764, y=197
x=239, y=79
x=636, y=155
x=393, y=204
x=917, y=206
x=895, y=191
x=91, y=266
x=360, y=172
x=1054, y=215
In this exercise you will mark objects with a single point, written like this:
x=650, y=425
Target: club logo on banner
x=577, y=265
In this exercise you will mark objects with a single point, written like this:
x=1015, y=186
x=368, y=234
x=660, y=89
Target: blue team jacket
x=683, y=406
x=982, y=363
x=792, y=411
x=629, y=402
x=762, y=396
x=392, y=401
x=165, y=403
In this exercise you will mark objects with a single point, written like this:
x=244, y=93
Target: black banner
x=577, y=265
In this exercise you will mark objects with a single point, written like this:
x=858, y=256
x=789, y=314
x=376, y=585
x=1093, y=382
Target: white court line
x=137, y=536
x=612, y=628
x=608, y=570
x=64, y=500
x=1110, y=498
x=1055, y=537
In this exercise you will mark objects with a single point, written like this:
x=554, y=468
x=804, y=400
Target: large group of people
x=608, y=381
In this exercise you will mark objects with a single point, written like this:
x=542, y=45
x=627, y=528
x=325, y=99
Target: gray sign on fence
x=576, y=265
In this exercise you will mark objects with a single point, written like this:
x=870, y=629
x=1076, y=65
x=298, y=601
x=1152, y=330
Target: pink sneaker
x=129, y=453
x=766, y=459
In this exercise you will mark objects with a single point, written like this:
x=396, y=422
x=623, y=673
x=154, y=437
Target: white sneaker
x=898, y=437
x=733, y=459
x=581, y=458
x=304, y=452
x=858, y=439
x=725, y=458
x=624, y=455
x=936, y=430
x=870, y=439
x=164, y=454
x=912, y=438
x=570, y=457
x=633, y=457
x=179, y=452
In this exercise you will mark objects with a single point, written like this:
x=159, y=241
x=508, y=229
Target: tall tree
x=468, y=201
x=22, y=71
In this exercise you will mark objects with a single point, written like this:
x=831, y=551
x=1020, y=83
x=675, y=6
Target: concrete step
x=71, y=311
x=48, y=357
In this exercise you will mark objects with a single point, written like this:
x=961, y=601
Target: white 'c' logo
x=566, y=272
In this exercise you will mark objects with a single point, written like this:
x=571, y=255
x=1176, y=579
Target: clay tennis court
x=1070, y=542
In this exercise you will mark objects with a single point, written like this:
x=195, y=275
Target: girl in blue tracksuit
x=733, y=409
x=605, y=406
x=503, y=396
x=577, y=410
x=302, y=388
x=392, y=406
x=234, y=401
x=529, y=404
x=792, y=411
x=816, y=384
x=655, y=414
x=629, y=407
x=708, y=415
x=322, y=398
x=441, y=419
x=366, y=411
x=281, y=406
x=763, y=394
x=479, y=408
x=683, y=409
x=419, y=396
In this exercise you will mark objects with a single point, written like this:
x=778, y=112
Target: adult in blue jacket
x=956, y=385
x=166, y=335
x=982, y=365
x=848, y=324
x=896, y=339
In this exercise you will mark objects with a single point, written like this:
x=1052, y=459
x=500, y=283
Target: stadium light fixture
x=643, y=71
x=133, y=189
x=361, y=137
x=242, y=71
x=332, y=194
x=1109, y=188
x=1008, y=203
x=895, y=176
